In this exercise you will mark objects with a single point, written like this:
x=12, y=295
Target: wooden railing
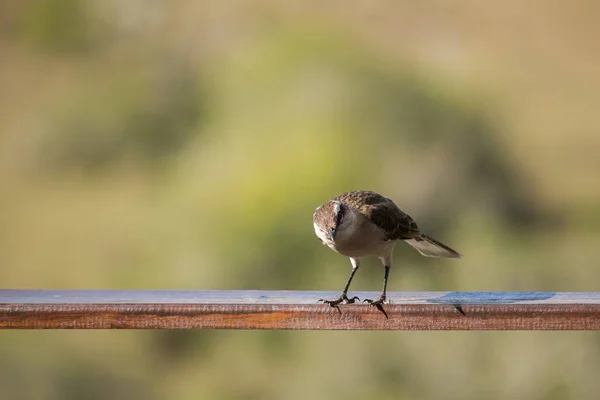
x=250, y=309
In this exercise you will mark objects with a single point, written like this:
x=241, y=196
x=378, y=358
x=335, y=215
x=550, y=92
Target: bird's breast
x=360, y=240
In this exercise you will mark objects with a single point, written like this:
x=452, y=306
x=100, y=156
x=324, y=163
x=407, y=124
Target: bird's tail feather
x=430, y=247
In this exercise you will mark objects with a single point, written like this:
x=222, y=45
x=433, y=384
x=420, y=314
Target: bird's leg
x=343, y=299
x=382, y=298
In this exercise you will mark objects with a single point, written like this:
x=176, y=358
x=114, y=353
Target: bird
x=361, y=223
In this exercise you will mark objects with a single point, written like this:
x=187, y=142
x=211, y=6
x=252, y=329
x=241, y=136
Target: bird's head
x=328, y=219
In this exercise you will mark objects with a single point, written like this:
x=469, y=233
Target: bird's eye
x=338, y=217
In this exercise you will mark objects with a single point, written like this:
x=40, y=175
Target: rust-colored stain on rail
x=203, y=309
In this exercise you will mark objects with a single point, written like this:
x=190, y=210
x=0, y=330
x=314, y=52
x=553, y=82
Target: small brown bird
x=361, y=223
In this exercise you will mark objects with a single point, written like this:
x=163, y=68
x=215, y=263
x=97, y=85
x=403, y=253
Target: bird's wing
x=384, y=213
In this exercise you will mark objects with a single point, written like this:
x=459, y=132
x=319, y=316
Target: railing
x=250, y=309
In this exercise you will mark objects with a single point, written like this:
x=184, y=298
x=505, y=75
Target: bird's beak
x=331, y=234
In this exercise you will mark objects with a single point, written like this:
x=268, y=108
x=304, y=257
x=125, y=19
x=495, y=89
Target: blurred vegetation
x=185, y=145
x=136, y=119
x=60, y=26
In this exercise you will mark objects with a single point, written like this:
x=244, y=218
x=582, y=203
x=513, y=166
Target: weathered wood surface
x=250, y=309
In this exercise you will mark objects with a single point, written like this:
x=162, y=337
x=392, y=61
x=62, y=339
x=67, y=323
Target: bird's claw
x=378, y=304
x=381, y=300
x=343, y=299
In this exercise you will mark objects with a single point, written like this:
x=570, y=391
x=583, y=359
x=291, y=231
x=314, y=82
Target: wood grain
x=131, y=309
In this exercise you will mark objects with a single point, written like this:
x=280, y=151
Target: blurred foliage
x=187, y=145
x=130, y=118
x=61, y=26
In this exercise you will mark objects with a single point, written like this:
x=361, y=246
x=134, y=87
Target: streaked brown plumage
x=362, y=223
x=381, y=211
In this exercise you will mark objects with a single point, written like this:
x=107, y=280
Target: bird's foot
x=343, y=299
x=378, y=303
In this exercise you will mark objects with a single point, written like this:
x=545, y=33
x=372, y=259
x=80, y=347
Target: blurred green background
x=185, y=145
